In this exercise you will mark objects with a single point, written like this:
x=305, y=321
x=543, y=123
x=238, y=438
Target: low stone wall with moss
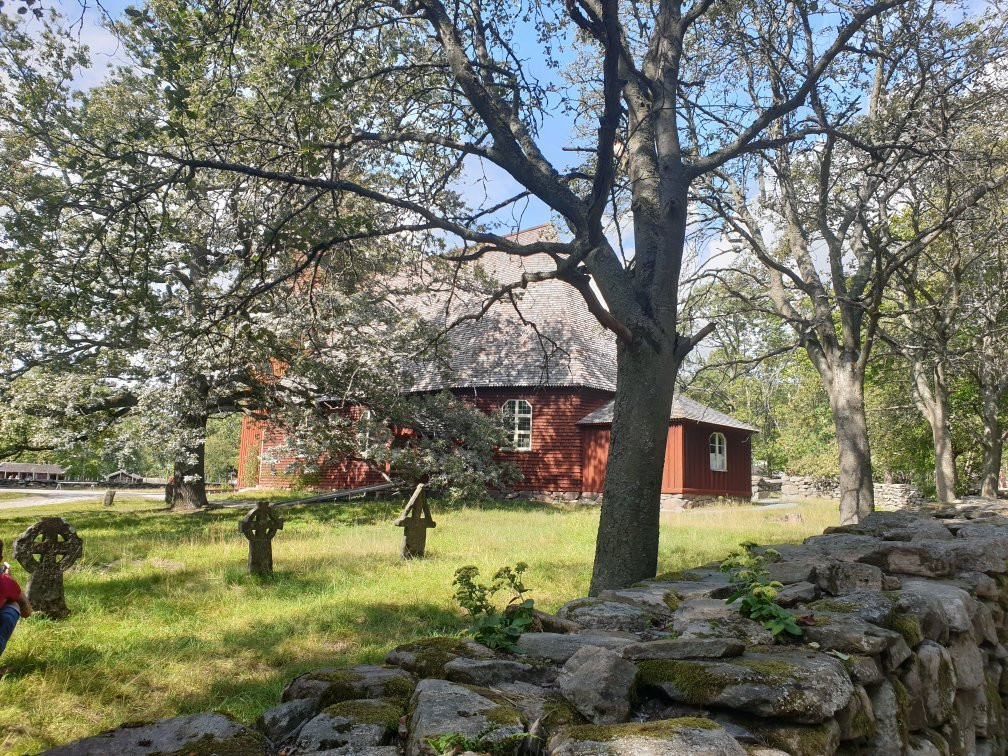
x=881, y=638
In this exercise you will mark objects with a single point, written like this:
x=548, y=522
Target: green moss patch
x=834, y=605
x=341, y=685
x=675, y=577
x=431, y=654
x=672, y=600
x=799, y=740
x=908, y=626
x=368, y=712
x=769, y=667
x=558, y=713
x=696, y=681
x=658, y=730
x=247, y=744
x=503, y=715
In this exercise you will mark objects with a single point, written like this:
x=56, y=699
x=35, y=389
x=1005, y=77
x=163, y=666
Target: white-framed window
x=364, y=432
x=518, y=423
x=718, y=452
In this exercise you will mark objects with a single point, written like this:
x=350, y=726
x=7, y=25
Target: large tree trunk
x=187, y=489
x=626, y=549
x=845, y=384
x=992, y=442
x=931, y=398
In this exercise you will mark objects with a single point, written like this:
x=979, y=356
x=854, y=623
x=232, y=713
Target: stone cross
x=109, y=497
x=414, y=520
x=259, y=526
x=46, y=550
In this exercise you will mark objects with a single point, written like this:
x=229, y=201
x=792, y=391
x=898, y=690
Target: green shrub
x=758, y=593
x=495, y=629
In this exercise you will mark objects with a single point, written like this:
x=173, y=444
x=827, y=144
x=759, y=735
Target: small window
x=718, y=452
x=518, y=423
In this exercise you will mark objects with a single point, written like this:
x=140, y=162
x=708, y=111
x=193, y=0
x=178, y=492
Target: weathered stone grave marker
x=259, y=526
x=414, y=520
x=109, y=497
x=46, y=550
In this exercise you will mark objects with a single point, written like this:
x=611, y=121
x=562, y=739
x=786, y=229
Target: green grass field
x=165, y=620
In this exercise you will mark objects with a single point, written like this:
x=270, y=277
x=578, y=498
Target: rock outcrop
x=904, y=618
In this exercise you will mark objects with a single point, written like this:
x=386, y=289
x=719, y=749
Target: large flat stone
x=175, y=735
x=684, y=648
x=493, y=672
x=367, y=722
x=803, y=687
x=596, y=614
x=657, y=599
x=599, y=683
x=441, y=707
x=559, y=647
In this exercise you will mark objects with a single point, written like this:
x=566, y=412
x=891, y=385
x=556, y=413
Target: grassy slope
x=165, y=620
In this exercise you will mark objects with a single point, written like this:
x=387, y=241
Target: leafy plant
x=495, y=629
x=747, y=572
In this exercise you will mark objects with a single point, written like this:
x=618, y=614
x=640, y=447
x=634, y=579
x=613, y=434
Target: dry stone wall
x=888, y=495
x=903, y=652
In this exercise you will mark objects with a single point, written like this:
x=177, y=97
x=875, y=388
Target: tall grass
x=165, y=620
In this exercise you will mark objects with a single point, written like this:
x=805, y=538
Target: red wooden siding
x=248, y=451
x=594, y=455
x=333, y=475
x=554, y=463
x=672, y=474
x=687, y=461
x=697, y=474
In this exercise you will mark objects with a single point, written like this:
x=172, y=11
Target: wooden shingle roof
x=545, y=337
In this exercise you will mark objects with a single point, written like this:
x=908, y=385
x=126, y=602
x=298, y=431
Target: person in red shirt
x=13, y=604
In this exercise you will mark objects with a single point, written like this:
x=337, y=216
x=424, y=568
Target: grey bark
x=626, y=550
x=846, y=393
x=993, y=443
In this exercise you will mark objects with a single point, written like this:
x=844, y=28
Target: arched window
x=718, y=452
x=518, y=423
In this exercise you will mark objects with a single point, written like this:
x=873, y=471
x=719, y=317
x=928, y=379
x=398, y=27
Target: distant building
x=554, y=383
x=124, y=476
x=30, y=471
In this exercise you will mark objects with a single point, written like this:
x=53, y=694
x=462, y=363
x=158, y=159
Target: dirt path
x=34, y=497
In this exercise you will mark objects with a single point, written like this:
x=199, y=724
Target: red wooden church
x=549, y=365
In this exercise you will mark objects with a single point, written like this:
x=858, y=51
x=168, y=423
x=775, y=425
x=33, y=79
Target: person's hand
x=6, y=568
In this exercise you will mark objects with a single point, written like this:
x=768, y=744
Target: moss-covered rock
x=199, y=734
x=662, y=729
x=908, y=626
x=369, y=711
x=799, y=740
x=333, y=684
x=439, y=707
x=685, y=735
x=427, y=658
